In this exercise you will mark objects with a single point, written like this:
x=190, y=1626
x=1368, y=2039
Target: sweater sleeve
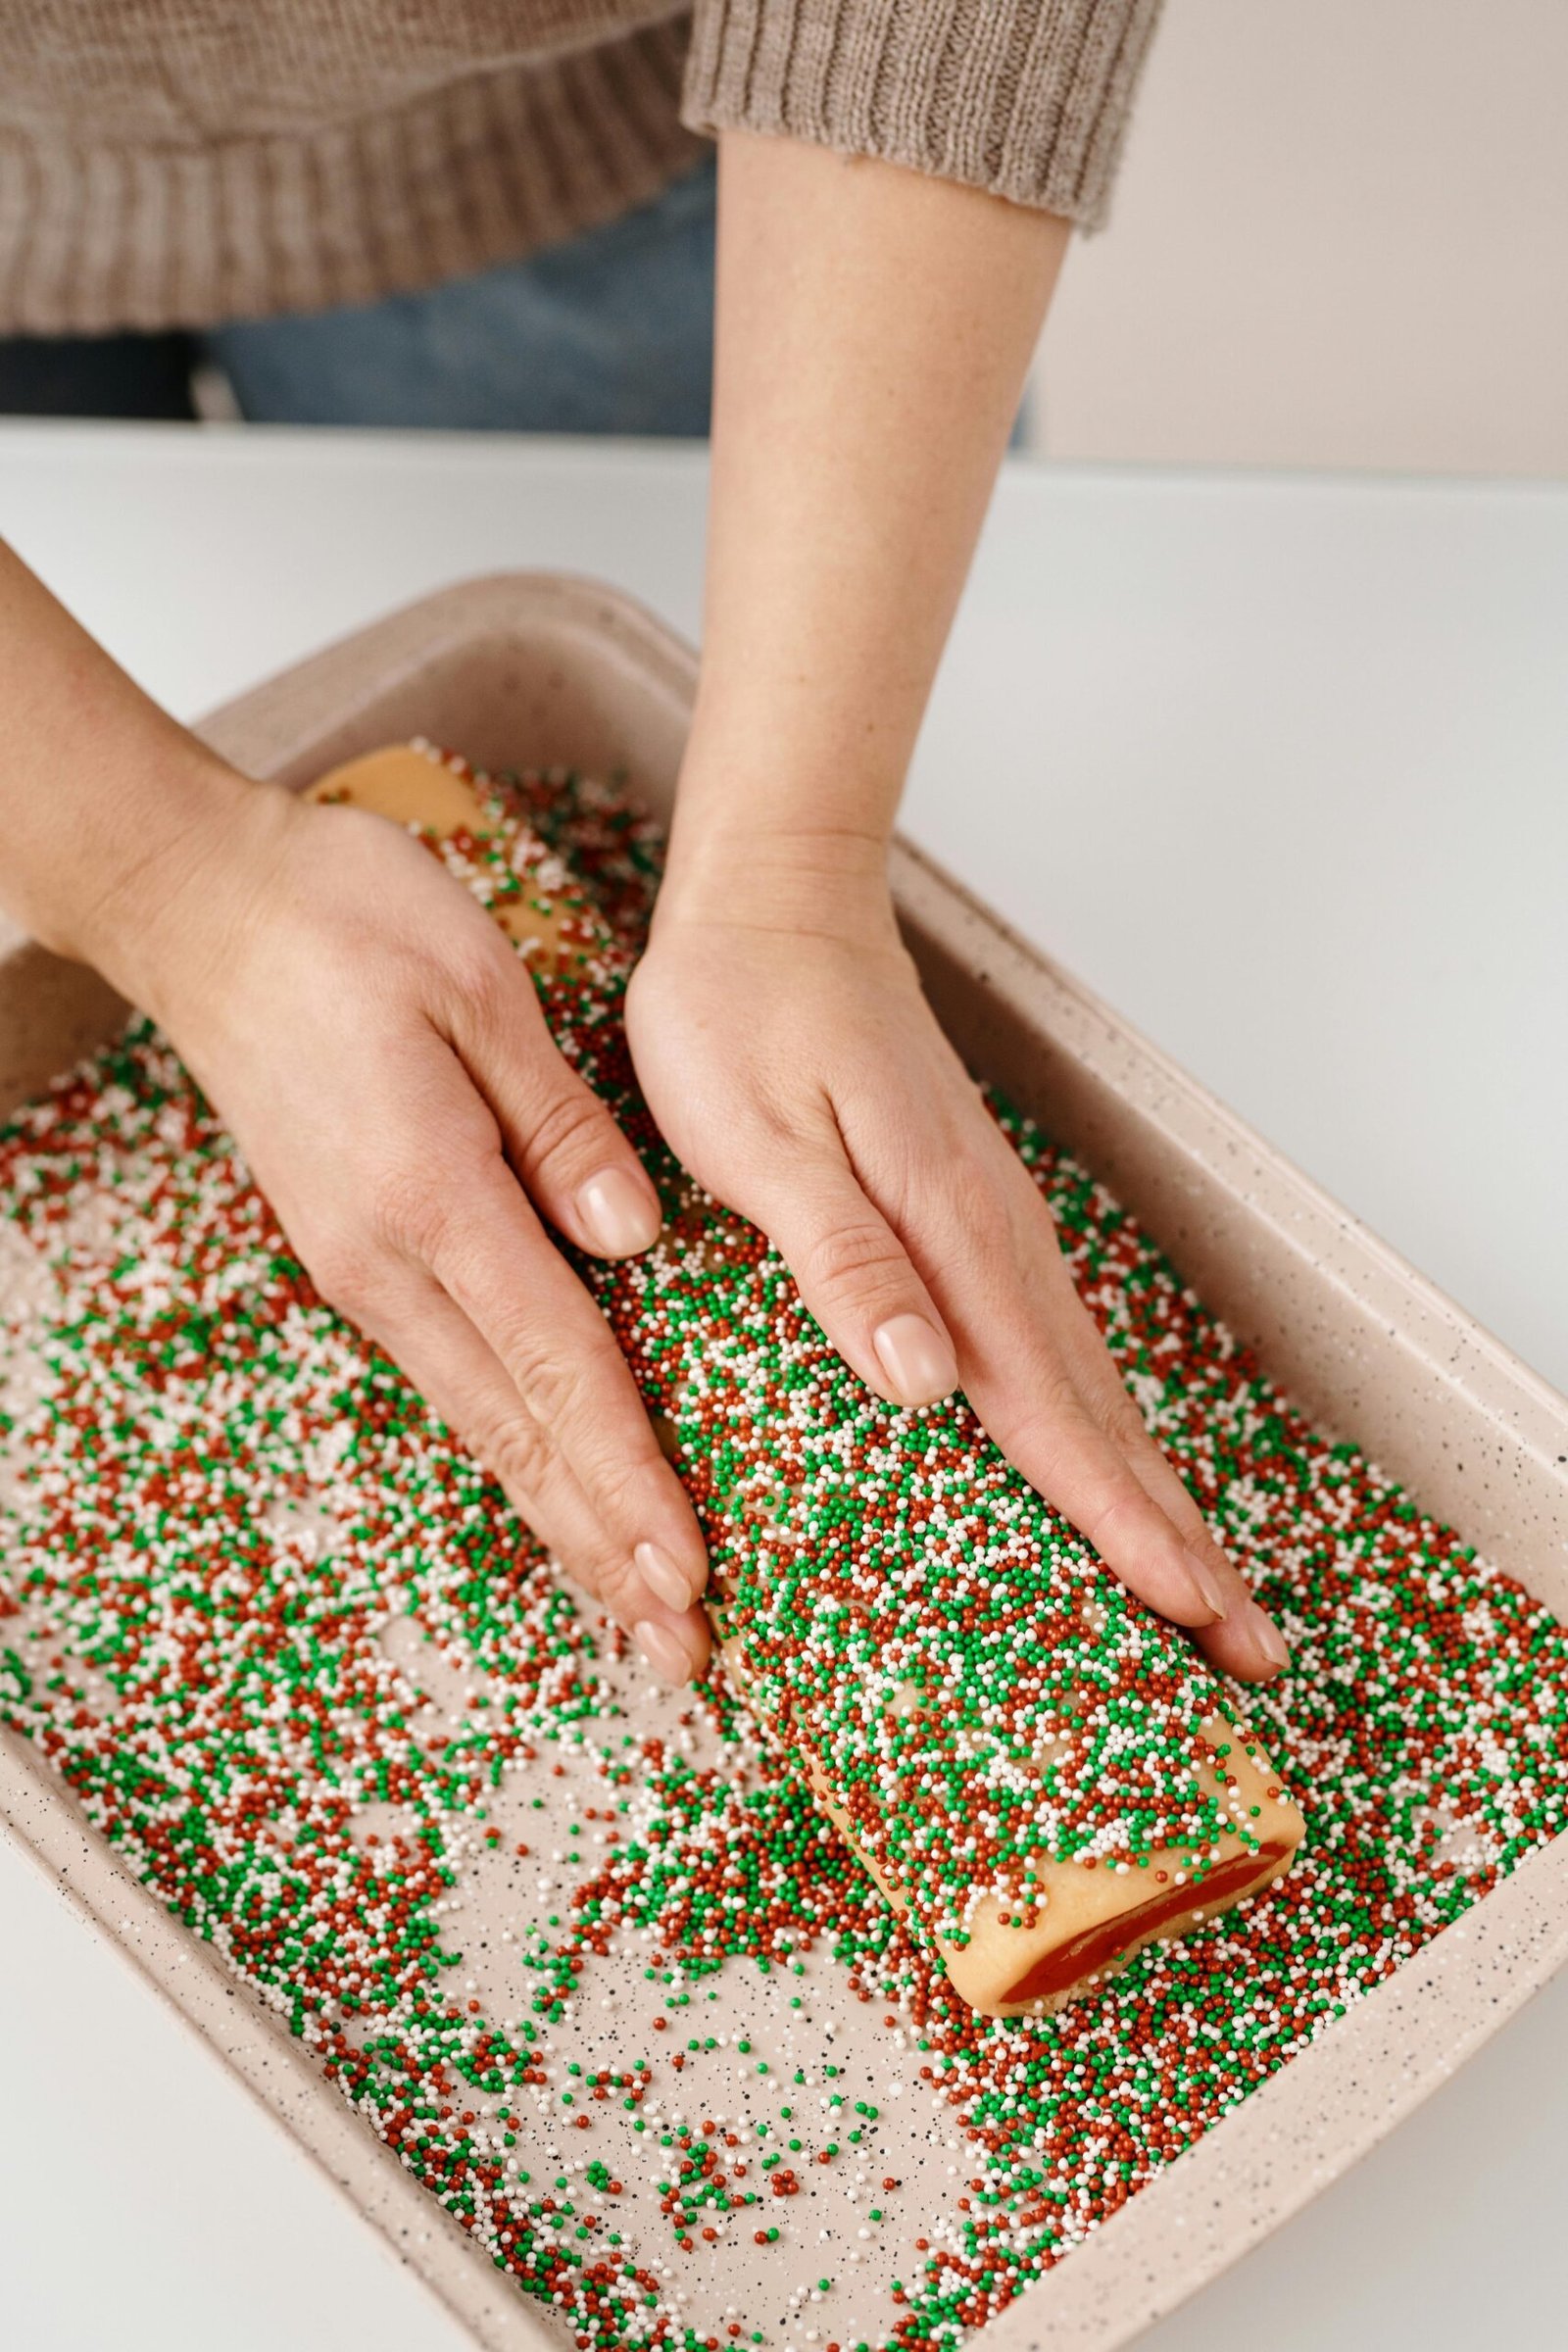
x=1026, y=98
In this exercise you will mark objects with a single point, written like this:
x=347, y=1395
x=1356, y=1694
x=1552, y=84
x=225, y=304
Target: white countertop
x=1280, y=766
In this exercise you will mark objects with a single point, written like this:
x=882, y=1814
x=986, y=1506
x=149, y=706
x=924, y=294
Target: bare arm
x=874, y=329
x=874, y=332
x=98, y=787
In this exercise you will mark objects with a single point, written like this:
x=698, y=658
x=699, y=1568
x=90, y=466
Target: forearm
x=874, y=331
x=105, y=800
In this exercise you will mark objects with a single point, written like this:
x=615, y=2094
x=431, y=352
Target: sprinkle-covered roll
x=1042, y=1774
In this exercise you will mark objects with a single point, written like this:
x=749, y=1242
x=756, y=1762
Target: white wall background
x=1340, y=238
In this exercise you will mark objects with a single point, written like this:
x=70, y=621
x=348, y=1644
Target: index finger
x=1013, y=1359
x=496, y=1261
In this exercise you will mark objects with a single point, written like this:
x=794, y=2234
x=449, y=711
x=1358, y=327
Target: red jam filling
x=1081, y=1955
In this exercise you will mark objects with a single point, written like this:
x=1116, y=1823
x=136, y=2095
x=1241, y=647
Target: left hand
x=796, y=1069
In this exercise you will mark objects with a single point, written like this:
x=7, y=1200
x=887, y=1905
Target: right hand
x=786, y=1049
x=379, y=1054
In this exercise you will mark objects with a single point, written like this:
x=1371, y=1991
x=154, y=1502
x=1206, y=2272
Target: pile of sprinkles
x=584, y=1955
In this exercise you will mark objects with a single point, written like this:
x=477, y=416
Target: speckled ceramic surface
x=548, y=671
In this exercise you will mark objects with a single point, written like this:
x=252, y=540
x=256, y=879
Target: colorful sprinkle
x=303, y=1668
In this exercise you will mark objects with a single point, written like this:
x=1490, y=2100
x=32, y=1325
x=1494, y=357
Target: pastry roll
x=1041, y=1775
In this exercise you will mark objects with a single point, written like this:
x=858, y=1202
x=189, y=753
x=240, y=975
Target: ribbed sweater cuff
x=99, y=235
x=1027, y=98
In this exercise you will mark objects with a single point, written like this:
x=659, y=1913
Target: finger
x=567, y=1152
x=1045, y=1432
x=856, y=1275
x=1246, y=1641
x=979, y=1250
x=1243, y=1640
x=463, y=1380
x=493, y=1258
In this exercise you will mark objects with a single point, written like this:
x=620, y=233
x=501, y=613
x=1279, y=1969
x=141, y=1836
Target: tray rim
x=1108, y=2294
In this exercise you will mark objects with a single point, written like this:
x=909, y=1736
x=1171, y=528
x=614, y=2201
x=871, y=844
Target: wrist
x=175, y=883
x=822, y=878
x=764, y=843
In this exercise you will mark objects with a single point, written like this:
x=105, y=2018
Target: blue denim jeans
x=612, y=332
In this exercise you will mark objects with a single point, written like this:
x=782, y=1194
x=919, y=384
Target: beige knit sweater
x=183, y=161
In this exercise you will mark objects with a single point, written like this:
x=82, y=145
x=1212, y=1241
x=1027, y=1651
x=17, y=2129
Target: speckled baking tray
x=540, y=670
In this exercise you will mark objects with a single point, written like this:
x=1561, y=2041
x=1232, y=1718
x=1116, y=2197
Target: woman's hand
x=380, y=1053
x=785, y=1048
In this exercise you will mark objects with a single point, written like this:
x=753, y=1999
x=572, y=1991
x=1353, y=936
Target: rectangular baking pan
x=535, y=670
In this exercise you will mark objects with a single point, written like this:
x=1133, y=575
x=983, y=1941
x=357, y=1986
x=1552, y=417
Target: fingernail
x=619, y=1212
x=918, y=1360
x=661, y=1575
x=1207, y=1582
x=1266, y=1635
x=665, y=1652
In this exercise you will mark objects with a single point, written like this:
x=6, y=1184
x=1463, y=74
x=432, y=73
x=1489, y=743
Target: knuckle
x=1120, y=1518
x=482, y=980
x=966, y=1228
x=554, y=1379
x=617, y=1486
x=849, y=1259
x=1038, y=1423
x=520, y=1458
x=1118, y=1416
x=977, y=1207
x=407, y=1206
x=613, y=1576
x=566, y=1124
x=342, y=1265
